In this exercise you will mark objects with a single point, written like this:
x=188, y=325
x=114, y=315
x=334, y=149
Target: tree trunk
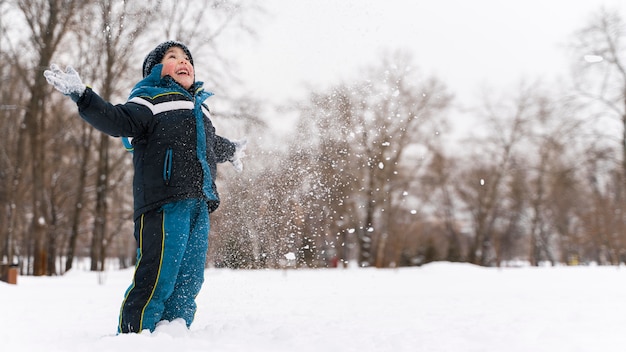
x=35, y=126
x=80, y=197
x=101, y=212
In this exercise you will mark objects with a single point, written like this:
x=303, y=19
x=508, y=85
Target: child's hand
x=68, y=82
x=240, y=147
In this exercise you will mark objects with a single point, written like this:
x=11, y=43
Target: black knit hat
x=155, y=56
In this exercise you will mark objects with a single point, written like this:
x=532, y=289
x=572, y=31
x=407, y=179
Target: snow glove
x=240, y=147
x=68, y=82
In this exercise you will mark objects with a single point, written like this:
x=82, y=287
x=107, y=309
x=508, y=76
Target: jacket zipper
x=167, y=166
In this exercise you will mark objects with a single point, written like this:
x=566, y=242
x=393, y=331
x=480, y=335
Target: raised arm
x=127, y=120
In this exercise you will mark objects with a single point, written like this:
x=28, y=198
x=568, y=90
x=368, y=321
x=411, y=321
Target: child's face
x=176, y=65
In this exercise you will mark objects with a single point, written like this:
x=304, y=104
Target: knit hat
x=155, y=56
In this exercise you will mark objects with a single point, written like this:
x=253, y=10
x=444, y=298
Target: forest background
x=368, y=174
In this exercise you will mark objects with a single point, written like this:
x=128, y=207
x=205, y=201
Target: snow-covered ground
x=438, y=307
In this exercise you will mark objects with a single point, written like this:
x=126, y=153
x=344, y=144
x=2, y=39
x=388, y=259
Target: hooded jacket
x=175, y=146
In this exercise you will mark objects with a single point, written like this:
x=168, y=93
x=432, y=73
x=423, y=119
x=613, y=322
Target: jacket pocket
x=167, y=166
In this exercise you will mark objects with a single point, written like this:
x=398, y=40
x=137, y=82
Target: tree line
x=369, y=176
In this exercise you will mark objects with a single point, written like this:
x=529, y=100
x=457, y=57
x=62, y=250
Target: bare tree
x=12, y=152
x=600, y=71
x=484, y=185
x=359, y=135
x=46, y=22
x=600, y=82
x=557, y=146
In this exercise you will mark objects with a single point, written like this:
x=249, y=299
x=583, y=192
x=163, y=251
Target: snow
x=437, y=307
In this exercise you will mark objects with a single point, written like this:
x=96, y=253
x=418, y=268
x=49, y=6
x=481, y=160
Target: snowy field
x=438, y=307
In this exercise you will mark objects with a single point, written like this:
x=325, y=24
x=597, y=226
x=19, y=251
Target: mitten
x=240, y=147
x=68, y=82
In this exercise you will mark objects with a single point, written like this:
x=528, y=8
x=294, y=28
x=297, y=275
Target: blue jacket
x=175, y=146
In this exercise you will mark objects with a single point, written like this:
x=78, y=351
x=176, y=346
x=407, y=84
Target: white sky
x=467, y=44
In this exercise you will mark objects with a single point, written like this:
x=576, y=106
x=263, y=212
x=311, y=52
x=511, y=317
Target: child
x=175, y=155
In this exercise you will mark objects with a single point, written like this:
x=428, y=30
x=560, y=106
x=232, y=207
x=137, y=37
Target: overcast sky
x=467, y=44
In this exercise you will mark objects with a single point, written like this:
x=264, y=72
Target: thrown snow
x=438, y=307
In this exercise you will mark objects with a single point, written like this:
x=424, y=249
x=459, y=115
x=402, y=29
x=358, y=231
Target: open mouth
x=182, y=72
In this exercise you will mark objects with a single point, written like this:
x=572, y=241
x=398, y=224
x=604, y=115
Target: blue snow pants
x=172, y=244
